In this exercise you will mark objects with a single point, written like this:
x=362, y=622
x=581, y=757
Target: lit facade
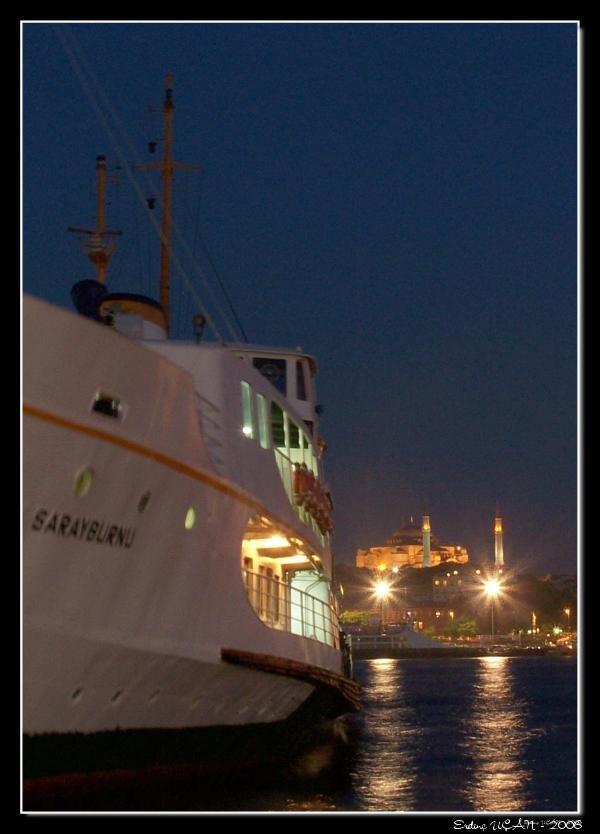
x=498, y=546
x=411, y=546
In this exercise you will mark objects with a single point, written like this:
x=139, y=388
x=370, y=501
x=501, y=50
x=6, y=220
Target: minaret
x=426, y=529
x=499, y=552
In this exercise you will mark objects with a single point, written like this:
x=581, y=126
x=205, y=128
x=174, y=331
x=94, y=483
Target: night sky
x=399, y=199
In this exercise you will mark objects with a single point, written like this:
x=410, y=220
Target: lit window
x=190, y=518
x=263, y=431
x=83, y=482
x=247, y=421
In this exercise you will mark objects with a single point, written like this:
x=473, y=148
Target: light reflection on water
x=499, y=732
x=467, y=734
x=385, y=775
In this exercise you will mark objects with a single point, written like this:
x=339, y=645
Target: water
x=493, y=734
x=483, y=734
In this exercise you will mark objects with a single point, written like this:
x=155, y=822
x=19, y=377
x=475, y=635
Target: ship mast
x=167, y=168
x=167, y=175
x=99, y=242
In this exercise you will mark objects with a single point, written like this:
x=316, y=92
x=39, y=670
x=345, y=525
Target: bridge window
x=300, y=383
x=274, y=370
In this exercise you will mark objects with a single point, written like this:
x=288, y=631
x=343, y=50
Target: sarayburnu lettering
x=85, y=529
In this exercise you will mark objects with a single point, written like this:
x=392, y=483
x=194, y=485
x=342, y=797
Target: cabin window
x=263, y=430
x=277, y=425
x=262, y=590
x=274, y=370
x=190, y=518
x=247, y=420
x=275, y=598
x=248, y=577
x=300, y=383
x=108, y=405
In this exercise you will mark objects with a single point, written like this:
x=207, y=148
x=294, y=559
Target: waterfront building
x=413, y=546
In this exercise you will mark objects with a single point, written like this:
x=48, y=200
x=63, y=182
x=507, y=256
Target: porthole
x=143, y=502
x=83, y=482
x=190, y=518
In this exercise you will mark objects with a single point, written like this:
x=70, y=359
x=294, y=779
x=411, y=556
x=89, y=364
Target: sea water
x=457, y=735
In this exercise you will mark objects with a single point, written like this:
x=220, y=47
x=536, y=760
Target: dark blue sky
x=399, y=199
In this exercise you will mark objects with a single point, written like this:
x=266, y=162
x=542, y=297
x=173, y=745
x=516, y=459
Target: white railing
x=283, y=607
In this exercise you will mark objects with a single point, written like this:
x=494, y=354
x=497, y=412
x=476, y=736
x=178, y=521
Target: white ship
x=177, y=571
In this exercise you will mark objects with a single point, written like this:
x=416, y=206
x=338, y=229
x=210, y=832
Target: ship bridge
x=291, y=372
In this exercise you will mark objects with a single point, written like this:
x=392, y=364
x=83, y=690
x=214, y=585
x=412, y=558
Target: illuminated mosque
x=411, y=546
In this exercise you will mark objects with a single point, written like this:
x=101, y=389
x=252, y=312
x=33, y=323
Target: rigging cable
x=198, y=235
x=78, y=62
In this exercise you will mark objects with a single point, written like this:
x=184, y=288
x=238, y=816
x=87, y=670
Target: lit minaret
x=426, y=542
x=498, y=541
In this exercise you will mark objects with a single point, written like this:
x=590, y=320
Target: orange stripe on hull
x=172, y=463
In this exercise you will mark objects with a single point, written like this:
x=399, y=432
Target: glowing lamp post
x=382, y=592
x=492, y=589
x=568, y=613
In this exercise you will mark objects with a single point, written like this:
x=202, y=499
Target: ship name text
x=88, y=529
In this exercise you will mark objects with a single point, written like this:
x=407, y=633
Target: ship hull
x=131, y=602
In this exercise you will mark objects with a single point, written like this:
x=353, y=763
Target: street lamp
x=382, y=592
x=492, y=589
x=568, y=613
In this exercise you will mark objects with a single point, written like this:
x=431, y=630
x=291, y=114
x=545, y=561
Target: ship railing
x=286, y=471
x=281, y=606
